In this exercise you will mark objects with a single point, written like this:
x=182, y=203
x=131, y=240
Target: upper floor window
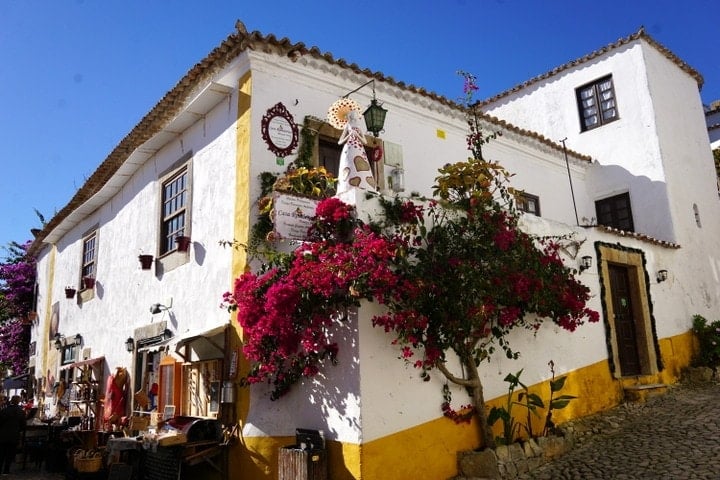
x=175, y=196
x=329, y=155
x=528, y=203
x=615, y=212
x=596, y=103
x=89, y=255
x=69, y=354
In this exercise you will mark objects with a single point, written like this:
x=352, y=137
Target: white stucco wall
x=128, y=225
x=629, y=144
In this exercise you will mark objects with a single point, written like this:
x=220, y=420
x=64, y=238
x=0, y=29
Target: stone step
x=640, y=393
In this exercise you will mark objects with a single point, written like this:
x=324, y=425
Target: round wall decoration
x=279, y=130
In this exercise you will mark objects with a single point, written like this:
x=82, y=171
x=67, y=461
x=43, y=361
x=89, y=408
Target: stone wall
x=510, y=461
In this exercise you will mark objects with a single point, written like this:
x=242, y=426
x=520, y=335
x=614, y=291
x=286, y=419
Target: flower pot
x=183, y=243
x=88, y=283
x=145, y=261
x=69, y=292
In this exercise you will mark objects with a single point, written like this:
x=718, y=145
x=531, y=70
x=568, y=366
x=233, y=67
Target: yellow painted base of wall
x=257, y=458
x=430, y=450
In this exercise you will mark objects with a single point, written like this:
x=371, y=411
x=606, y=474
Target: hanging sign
x=279, y=130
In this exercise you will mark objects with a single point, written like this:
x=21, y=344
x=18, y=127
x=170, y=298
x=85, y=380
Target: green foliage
x=307, y=140
x=708, y=336
x=555, y=403
x=510, y=427
x=532, y=403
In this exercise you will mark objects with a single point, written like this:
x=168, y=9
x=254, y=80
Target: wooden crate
x=297, y=464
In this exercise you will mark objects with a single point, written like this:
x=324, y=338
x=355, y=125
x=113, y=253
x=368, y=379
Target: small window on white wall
x=696, y=211
x=528, y=203
x=596, y=103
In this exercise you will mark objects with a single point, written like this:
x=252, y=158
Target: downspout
x=572, y=192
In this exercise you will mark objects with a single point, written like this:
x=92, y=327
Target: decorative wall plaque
x=293, y=216
x=279, y=130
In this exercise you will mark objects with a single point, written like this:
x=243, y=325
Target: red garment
x=115, y=398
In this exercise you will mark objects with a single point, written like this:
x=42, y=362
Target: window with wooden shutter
x=596, y=103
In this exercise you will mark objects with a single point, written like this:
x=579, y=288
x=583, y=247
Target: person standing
x=12, y=424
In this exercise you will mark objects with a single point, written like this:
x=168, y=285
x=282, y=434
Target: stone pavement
x=31, y=473
x=671, y=436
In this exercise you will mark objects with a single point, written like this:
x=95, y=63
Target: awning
x=82, y=363
x=15, y=383
x=190, y=338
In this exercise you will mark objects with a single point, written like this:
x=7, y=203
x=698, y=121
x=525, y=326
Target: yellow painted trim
x=43, y=342
x=241, y=227
x=257, y=458
x=430, y=450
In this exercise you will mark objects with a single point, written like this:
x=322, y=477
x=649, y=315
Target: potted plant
x=183, y=243
x=145, y=261
x=88, y=282
x=70, y=292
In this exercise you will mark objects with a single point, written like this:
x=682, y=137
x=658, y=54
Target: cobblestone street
x=672, y=436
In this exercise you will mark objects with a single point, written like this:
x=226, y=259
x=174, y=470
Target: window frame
x=166, y=245
x=203, y=381
x=596, y=94
x=69, y=354
x=88, y=263
x=88, y=266
x=611, y=201
x=522, y=199
x=173, y=218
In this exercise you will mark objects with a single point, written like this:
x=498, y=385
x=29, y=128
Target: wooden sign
x=293, y=216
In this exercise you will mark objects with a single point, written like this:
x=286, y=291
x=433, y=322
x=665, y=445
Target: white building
x=192, y=165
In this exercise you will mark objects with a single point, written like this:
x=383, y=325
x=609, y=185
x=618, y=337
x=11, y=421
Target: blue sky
x=77, y=75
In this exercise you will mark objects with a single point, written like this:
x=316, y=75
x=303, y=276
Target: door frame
x=639, y=282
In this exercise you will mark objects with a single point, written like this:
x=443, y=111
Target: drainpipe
x=572, y=192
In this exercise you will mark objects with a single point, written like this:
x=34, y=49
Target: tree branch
x=454, y=379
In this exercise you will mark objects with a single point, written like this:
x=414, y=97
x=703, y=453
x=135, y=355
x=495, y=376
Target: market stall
x=179, y=448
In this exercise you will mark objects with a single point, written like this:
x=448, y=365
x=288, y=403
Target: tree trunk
x=479, y=402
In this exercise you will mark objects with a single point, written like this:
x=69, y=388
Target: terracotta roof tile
x=637, y=236
x=640, y=34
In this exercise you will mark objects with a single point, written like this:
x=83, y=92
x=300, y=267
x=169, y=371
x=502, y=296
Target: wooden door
x=624, y=320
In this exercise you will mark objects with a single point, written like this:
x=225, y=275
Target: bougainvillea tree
x=17, y=284
x=14, y=340
x=455, y=274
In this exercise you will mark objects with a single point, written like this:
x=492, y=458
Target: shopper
x=12, y=424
